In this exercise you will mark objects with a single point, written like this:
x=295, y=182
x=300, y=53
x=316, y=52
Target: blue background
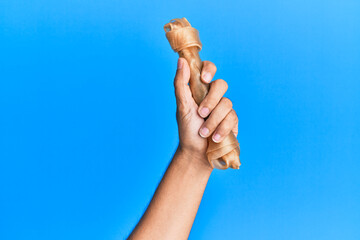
x=87, y=116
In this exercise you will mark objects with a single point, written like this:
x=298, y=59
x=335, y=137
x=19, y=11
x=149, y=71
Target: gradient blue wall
x=87, y=116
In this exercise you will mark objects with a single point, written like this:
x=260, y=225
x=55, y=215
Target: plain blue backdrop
x=87, y=116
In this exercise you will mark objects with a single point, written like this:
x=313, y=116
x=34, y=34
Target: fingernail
x=216, y=137
x=204, y=112
x=179, y=64
x=207, y=77
x=204, y=132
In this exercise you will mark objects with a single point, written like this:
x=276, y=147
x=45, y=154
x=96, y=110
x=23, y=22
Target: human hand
x=214, y=117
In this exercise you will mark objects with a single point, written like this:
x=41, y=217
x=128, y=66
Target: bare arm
x=173, y=208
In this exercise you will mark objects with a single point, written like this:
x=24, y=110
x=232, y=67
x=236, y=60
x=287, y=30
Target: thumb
x=182, y=77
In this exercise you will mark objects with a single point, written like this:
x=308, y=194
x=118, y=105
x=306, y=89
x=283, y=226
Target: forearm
x=173, y=208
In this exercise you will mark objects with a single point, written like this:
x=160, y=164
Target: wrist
x=195, y=160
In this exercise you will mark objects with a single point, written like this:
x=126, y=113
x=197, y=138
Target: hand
x=193, y=129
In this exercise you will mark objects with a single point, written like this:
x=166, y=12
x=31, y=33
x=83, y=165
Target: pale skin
x=173, y=208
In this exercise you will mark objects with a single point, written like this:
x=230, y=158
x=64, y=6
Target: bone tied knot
x=185, y=40
x=181, y=35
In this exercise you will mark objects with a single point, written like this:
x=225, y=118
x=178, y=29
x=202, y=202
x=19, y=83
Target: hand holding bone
x=213, y=118
x=202, y=100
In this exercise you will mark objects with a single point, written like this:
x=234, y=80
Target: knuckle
x=220, y=83
x=236, y=120
x=212, y=122
x=223, y=130
x=209, y=125
x=215, y=121
x=227, y=102
x=220, y=130
x=215, y=83
x=209, y=64
x=177, y=89
x=207, y=103
x=213, y=66
x=223, y=83
x=176, y=80
x=234, y=116
x=206, y=63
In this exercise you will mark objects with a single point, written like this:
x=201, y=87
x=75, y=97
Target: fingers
x=182, y=90
x=220, y=122
x=208, y=71
x=217, y=90
x=223, y=118
x=229, y=123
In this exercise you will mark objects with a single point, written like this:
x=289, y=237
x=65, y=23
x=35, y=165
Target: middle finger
x=217, y=90
x=215, y=118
